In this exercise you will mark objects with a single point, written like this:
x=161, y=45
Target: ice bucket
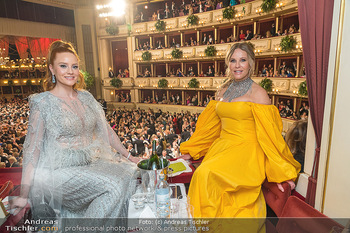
x=150, y=178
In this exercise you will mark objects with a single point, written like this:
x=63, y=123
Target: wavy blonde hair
x=251, y=60
x=56, y=47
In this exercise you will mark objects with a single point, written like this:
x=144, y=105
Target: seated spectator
x=210, y=72
x=210, y=40
x=249, y=35
x=154, y=16
x=179, y=73
x=219, y=5
x=242, y=35
x=292, y=29
x=233, y=2
x=285, y=33
x=255, y=37
x=279, y=32
x=268, y=34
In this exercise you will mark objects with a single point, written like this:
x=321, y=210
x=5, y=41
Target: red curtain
x=4, y=47
x=39, y=47
x=315, y=18
x=22, y=46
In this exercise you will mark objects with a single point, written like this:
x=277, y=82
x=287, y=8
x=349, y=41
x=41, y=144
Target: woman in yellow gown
x=239, y=135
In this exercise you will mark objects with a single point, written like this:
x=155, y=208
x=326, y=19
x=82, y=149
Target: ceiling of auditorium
x=71, y=4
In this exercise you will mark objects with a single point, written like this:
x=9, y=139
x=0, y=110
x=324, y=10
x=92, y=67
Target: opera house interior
x=166, y=59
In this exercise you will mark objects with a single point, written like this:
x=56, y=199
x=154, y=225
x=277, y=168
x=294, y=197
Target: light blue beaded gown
x=69, y=159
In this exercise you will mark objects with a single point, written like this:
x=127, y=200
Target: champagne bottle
x=153, y=162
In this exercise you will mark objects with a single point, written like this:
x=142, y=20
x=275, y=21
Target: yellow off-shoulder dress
x=242, y=145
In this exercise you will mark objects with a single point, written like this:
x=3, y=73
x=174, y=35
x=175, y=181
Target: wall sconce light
x=112, y=93
x=201, y=22
x=219, y=19
x=279, y=5
x=258, y=11
x=278, y=49
x=299, y=46
x=15, y=81
x=258, y=51
x=184, y=24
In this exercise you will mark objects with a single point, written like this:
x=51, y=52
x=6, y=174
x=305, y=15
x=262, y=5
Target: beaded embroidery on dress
x=70, y=149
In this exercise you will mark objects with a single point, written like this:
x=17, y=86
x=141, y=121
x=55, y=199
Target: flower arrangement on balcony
x=268, y=5
x=210, y=51
x=228, y=13
x=302, y=89
x=146, y=56
x=266, y=83
x=88, y=79
x=29, y=82
x=116, y=82
x=193, y=83
x=176, y=53
x=160, y=25
x=10, y=83
x=112, y=29
x=288, y=43
x=192, y=20
x=163, y=83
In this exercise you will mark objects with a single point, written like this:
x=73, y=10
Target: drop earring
x=53, y=78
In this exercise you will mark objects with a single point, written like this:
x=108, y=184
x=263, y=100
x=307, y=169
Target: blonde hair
x=60, y=46
x=251, y=60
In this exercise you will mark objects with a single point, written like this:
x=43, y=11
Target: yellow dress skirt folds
x=242, y=145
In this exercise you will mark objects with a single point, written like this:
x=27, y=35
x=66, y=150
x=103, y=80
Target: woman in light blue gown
x=70, y=152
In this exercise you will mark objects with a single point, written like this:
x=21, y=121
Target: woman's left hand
x=290, y=182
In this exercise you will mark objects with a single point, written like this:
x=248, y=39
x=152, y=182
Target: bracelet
x=129, y=155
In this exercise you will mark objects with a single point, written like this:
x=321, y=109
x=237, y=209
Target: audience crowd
x=177, y=100
x=286, y=110
x=13, y=125
x=207, y=39
x=135, y=128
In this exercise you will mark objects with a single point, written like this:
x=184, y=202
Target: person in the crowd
x=296, y=140
x=240, y=137
x=70, y=150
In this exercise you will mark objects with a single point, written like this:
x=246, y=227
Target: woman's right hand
x=185, y=157
x=18, y=204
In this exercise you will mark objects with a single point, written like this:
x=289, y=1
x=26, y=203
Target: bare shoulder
x=259, y=95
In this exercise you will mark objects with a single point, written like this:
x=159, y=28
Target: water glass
x=139, y=200
x=150, y=195
x=175, y=208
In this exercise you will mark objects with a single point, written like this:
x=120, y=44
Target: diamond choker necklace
x=237, y=89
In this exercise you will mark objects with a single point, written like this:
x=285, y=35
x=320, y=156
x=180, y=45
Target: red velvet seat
x=5, y=189
x=274, y=197
x=11, y=173
x=299, y=217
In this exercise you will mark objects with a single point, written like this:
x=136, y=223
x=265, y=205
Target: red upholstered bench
x=299, y=217
x=274, y=197
x=5, y=189
x=11, y=173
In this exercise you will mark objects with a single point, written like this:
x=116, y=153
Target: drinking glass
x=139, y=200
